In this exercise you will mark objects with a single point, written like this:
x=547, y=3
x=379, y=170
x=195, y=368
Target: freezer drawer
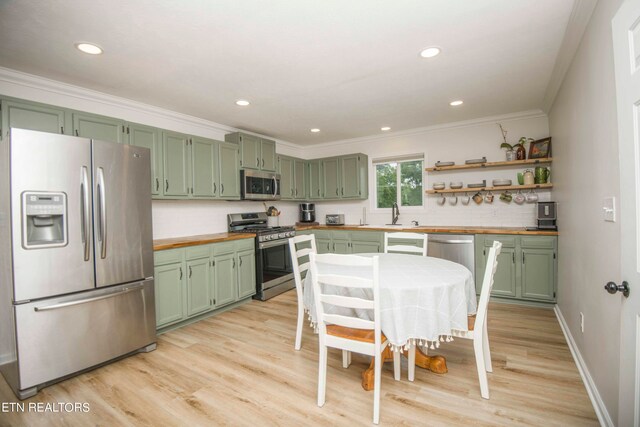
x=60, y=336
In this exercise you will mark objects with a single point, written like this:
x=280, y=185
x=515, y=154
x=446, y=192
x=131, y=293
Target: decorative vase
x=272, y=221
x=511, y=155
x=521, y=153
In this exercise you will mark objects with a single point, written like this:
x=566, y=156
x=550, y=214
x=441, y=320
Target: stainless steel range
x=274, y=273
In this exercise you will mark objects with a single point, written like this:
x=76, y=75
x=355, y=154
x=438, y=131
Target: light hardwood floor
x=240, y=368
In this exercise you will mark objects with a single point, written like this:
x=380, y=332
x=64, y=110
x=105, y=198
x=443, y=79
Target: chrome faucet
x=395, y=213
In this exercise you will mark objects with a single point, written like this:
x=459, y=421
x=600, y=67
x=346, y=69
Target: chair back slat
x=302, y=252
x=341, y=294
x=303, y=267
x=298, y=268
x=348, y=321
x=351, y=302
x=406, y=248
x=487, y=284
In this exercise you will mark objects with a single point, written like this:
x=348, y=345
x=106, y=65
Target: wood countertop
x=434, y=229
x=203, y=239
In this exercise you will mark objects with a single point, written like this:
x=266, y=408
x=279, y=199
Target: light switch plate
x=609, y=209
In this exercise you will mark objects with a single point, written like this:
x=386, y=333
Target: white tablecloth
x=422, y=299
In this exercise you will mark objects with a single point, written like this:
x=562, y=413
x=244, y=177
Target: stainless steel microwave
x=259, y=185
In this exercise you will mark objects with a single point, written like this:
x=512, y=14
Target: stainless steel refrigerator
x=76, y=253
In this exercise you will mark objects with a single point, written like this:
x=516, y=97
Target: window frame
x=398, y=159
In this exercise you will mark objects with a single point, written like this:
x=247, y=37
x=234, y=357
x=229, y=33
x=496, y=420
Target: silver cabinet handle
x=342, y=191
x=166, y=188
x=86, y=300
x=275, y=186
x=102, y=201
x=86, y=216
x=221, y=188
x=214, y=188
x=257, y=162
x=240, y=260
x=336, y=191
x=234, y=263
x=157, y=184
x=262, y=162
x=180, y=273
x=190, y=272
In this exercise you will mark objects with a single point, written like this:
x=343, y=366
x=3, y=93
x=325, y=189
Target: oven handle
x=273, y=243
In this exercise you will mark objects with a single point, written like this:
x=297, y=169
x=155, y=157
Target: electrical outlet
x=581, y=322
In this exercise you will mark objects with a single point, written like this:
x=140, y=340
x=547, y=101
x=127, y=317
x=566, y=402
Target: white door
x=626, y=44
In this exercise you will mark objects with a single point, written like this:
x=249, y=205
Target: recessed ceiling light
x=89, y=48
x=315, y=130
x=385, y=128
x=456, y=103
x=242, y=102
x=430, y=52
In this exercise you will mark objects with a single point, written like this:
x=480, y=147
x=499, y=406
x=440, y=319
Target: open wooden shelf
x=497, y=189
x=490, y=165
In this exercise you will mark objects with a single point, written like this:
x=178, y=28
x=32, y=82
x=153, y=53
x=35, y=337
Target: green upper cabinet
x=314, y=178
x=148, y=137
x=175, y=147
x=268, y=155
x=299, y=187
x=229, y=171
x=246, y=261
x=204, y=167
x=255, y=152
x=32, y=116
x=330, y=179
x=350, y=177
x=287, y=178
x=99, y=127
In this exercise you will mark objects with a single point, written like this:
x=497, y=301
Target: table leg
x=435, y=364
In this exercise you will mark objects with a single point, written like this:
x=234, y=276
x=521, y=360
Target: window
x=399, y=181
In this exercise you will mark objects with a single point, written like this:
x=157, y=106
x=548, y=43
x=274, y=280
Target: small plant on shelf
x=515, y=151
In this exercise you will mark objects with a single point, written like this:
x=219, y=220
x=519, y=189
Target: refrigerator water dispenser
x=44, y=220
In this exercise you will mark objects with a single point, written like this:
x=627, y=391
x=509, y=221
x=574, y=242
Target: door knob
x=612, y=288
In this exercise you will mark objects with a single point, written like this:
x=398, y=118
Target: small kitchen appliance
x=259, y=185
x=307, y=212
x=334, y=219
x=547, y=216
x=274, y=271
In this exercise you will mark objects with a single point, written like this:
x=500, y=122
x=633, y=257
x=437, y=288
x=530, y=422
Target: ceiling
x=345, y=67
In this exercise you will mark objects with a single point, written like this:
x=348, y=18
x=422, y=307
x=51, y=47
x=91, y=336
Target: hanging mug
x=519, y=198
x=488, y=197
x=465, y=200
x=478, y=198
x=506, y=196
x=442, y=200
x=532, y=197
x=453, y=200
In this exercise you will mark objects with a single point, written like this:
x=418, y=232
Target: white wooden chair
x=344, y=332
x=477, y=326
x=298, y=269
x=406, y=248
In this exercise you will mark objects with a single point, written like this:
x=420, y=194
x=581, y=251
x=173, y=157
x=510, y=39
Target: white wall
x=453, y=142
x=584, y=127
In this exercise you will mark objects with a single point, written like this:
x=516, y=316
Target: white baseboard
x=592, y=391
x=5, y=358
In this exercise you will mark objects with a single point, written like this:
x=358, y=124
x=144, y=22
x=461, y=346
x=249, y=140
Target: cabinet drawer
x=168, y=256
x=201, y=251
x=245, y=244
x=506, y=240
x=340, y=235
x=224, y=248
x=542, y=242
x=367, y=236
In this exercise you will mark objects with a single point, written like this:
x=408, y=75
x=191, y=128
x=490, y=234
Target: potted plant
x=511, y=154
x=515, y=151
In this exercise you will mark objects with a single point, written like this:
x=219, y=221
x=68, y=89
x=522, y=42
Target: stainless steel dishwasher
x=454, y=247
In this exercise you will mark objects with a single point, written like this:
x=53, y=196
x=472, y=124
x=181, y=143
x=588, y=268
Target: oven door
x=274, y=264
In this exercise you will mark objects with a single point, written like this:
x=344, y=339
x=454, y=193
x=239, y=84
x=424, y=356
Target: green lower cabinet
x=225, y=279
x=323, y=246
x=246, y=273
x=365, y=247
x=527, y=267
x=341, y=247
x=169, y=286
x=198, y=286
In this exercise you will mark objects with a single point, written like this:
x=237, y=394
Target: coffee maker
x=547, y=216
x=307, y=213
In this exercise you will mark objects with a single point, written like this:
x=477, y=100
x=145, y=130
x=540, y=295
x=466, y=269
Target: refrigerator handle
x=85, y=214
x=86, y=300
x=103, y=214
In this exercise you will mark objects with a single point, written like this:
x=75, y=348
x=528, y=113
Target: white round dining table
x=423, y=300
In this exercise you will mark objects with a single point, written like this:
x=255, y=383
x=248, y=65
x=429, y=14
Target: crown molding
x=577, y=25
x=9, y=77
x=529, y=114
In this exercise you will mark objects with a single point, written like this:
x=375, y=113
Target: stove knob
x=267, y=237
x=282, y=235
x=260, y=238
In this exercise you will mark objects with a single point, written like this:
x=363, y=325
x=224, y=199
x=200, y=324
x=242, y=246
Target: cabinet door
x=330, y=179
x=250, y=152
x=315, y=190
x=350, y=174
x=204, y=167
x=365, y=247
x=148, y=137
x=246, y=273
x=198, y=286
x=225, y=279
x=169, y=284
x=286, y=177
x=299, y=175
x=98, y=127
x=229, y=166
x=538, y=274
x=505, y=278
x=341, y=247
x=31, y=116
x=323, y=246
x=268, y=155
x=175, y=147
